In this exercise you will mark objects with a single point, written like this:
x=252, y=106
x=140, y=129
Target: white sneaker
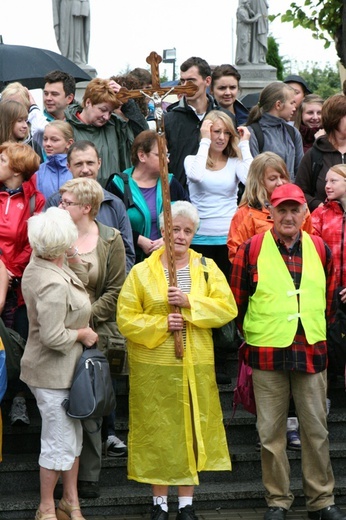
x=115, y=447
x=19, y=413
x=328, y=403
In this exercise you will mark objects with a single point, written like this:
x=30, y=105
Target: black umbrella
x=29, y=65
x=250, y=100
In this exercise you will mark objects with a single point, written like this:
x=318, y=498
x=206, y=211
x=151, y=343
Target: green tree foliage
x=323, y=81
x=274, y=59
x=323, y=17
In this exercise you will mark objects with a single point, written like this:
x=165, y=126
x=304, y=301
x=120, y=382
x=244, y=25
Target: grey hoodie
x=277, y=139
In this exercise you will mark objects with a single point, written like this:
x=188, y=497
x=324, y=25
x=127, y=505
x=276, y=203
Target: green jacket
x=113, y=141
x=111, y=259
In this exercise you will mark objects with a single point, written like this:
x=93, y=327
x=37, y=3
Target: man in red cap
x=284, y=284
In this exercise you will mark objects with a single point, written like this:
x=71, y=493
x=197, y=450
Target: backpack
x=225, y=335
x=243, y=392
x=256, y=127
x=316, y=167
x=14, y=346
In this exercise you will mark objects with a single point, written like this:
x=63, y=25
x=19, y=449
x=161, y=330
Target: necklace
x=82, y=238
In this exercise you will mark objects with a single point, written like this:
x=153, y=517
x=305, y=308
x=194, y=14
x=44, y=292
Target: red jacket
x=329, y=223
x=248, y=221
x=15, y=250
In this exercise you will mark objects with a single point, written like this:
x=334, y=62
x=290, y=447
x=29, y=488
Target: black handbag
x=91, y=393
x=223, y=336
x=337, y=340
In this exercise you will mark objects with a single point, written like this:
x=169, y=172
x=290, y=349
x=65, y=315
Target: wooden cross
x=157, y=94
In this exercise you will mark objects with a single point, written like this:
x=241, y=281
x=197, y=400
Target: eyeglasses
x=67, y=203
x=158, y=155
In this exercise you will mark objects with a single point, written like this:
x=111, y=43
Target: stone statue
x=252, y=32
x=71, y=19
x=259, y=39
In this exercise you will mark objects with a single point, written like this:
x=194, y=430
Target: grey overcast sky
x=124, y=33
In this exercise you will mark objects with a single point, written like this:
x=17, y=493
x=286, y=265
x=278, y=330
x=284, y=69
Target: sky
x=122, y=38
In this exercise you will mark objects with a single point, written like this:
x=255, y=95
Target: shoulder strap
x=256, y=243
x=255, y=247
x=256, y=127
x=32, y=204
x=320, y=248
x=316, y=167
x=290, y=130
x=128, y=199
x=203, y=262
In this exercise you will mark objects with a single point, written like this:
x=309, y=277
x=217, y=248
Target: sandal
x=44, y=516
x=65, y=511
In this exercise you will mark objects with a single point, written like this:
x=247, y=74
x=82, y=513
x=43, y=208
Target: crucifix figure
x=158, y=94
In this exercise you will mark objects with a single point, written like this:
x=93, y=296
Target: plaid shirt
x=300, y=355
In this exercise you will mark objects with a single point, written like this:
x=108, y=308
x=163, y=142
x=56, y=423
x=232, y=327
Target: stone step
x=240, y=429
x=241, y=488
x=23, y=472
x=135, y=498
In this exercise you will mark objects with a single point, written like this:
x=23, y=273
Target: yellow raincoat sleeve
x=146, y=328
x=216, y=305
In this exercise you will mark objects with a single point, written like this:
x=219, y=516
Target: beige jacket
x=57, y=305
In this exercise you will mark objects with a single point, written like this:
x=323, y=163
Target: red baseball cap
x=287, y=192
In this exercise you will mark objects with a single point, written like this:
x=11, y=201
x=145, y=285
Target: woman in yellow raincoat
x=176, y=424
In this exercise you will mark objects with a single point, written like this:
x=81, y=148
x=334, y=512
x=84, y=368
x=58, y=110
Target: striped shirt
x=184, y=284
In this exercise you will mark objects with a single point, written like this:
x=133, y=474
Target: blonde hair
x=51, y=233
x=340, y=169
x=88, y=192
x=255, y=192
x=232, y=149
x=16, y=92
x=64, y=127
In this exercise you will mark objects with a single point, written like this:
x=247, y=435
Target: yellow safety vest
x=272, y=316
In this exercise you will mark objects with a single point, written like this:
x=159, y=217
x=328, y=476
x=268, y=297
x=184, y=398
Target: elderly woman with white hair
x=176, y=428
x=59, y=312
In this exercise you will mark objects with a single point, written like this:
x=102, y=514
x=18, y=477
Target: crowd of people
x=257, y=202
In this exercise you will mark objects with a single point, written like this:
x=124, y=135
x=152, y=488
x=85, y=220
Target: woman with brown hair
x=327, y=151
x=225, y=89
x=269, y=118
x=140, y=189
x=14, y=126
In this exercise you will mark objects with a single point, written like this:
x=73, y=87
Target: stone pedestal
x=254, y=77
x=80, y=86
x=89, y=69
